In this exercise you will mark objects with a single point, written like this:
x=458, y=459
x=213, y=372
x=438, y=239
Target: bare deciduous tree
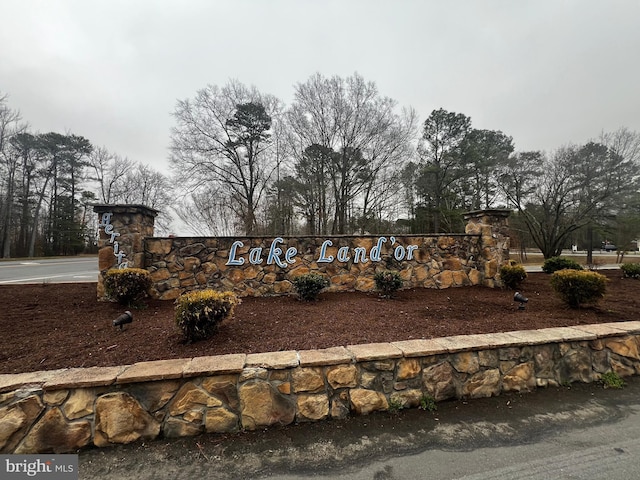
x=109, y=171
x=361, y=133
x=222, y=141
x=624, y=142
x=121, y=180
x=557, y=195
x=10, y=125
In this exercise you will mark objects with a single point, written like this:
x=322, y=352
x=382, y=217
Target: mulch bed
x=50, y=326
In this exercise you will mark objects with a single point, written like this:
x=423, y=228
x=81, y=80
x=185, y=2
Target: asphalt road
x=579, y=432
x=49, y=270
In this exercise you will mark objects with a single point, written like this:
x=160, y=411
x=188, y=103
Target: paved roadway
x=49, y=270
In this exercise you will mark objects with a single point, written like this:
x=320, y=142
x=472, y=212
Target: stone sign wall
x=266, y=265
x=122, y=230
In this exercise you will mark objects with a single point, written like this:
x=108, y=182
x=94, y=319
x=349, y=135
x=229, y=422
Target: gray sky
x=546, y=72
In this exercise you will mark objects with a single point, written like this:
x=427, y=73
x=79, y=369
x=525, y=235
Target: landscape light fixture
x=518, y=297
x=123, y=319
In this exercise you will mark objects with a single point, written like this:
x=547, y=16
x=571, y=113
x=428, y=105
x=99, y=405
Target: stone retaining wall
x=66, y=410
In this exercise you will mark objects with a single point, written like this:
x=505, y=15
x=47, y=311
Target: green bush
x=309, y=285
x=512, y=275
x=554, y=264
x=577, y=287
x=631, y=270
x=127, y=286
x=388, y=281
x=199, y=313
x=395, y=405
x=612, y=380
x=428, y=403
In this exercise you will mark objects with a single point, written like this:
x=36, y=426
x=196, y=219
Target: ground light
x=518, y=297
x=123, y=319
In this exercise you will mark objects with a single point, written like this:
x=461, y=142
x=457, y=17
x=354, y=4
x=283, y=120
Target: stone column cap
x=124, y=208
x=498, y=212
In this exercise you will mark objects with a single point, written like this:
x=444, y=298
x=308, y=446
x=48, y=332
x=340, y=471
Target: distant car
x=609, y=247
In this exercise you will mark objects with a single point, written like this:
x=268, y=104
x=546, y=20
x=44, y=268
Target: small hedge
x=512, y=275
x=388, y=282
x=309, y=285
x=631, y=270
x=554, y=264
x=199, y=313
x=578, y=287
x=127, y=286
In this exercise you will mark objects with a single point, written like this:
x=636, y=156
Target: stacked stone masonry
x=266, y=265
x=66, y=410
x=182, y=264
x=122, y=232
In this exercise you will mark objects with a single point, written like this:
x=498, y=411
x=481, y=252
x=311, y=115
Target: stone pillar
x=493, y=228
x=122, y=230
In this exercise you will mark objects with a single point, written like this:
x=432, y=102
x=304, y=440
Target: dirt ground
x=50, y=326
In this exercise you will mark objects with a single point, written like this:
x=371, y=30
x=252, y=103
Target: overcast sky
x=546, y=72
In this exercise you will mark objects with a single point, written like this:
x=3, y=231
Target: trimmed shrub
x=199, y=313
x=512, y=275
x=388, y=281
x=309, y=285
x=631, y=270
x=127, y=286
x=554, y=264
x=578, y=287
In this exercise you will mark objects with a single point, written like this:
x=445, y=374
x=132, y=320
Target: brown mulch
x=50, y=326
